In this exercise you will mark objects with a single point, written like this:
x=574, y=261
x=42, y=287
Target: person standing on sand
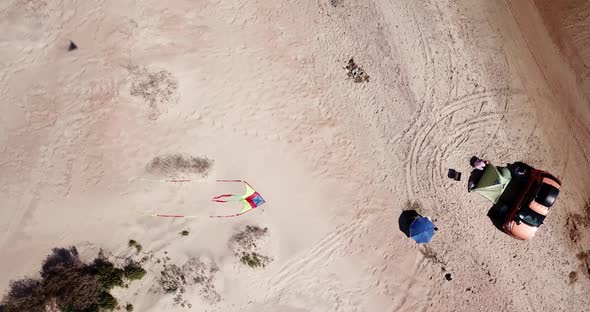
x=478, y=165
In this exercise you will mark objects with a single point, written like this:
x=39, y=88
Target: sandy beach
x=260, y=88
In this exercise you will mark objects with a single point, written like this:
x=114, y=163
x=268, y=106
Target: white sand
x=259, y=87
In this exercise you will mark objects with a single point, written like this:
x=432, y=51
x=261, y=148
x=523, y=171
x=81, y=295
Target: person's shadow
x=405, y=220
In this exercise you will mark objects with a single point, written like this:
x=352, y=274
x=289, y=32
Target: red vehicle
x=535, y=192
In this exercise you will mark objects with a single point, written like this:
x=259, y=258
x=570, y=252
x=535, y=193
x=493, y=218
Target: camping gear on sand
x=493, y=182
x=454, y=174
x=422, y=230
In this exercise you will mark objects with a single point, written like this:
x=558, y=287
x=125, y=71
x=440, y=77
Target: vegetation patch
x=133, y=271
x=254, y=259
x=175, y=165
x=356, y=72
x=69, y=284
x=157, y=88
x=195, y=272
x=245, y=246
x=136, y=245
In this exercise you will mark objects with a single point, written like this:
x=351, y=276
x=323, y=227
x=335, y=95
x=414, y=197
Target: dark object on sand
x=449, y=276
x=406, y=219
x=334, y=3
x=355, y=72
x=454, y=174
x=72, y=46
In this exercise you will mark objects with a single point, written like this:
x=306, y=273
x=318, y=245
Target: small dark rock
x=72, y=46
x=449, y=276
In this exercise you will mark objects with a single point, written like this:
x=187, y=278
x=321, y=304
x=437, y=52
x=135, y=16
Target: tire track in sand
x=429, y=65
x=426, y=99
x=324, y=252
x=578, y=128
x=571, y=120
x=295, y=274
x=422, y=139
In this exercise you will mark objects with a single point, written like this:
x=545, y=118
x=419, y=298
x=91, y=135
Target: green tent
x=493, y=182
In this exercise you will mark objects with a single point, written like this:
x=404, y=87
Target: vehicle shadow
x=497, y=216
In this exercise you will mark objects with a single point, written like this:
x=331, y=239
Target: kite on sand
x=250, y=200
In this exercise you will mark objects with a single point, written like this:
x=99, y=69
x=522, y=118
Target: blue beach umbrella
x=422, y=230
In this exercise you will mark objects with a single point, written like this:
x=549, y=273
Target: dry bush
x=73, y=289
x=172, y=279
x=158, y=89
x=175, y=279
x=68, y=281
x=60, y=259
x=176, y=164
x=247, y=238
x=155, y=88
x=69, y=284
x=356, y=72
x=244, y=245
x=254, y=259
x=24, y=295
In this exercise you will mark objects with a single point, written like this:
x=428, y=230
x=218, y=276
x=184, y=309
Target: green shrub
x=184, y=233
x=71, y=285
x=107, y=302
x=253, y=259
x=129, y=307
x=108, y=275
x=133, y=271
